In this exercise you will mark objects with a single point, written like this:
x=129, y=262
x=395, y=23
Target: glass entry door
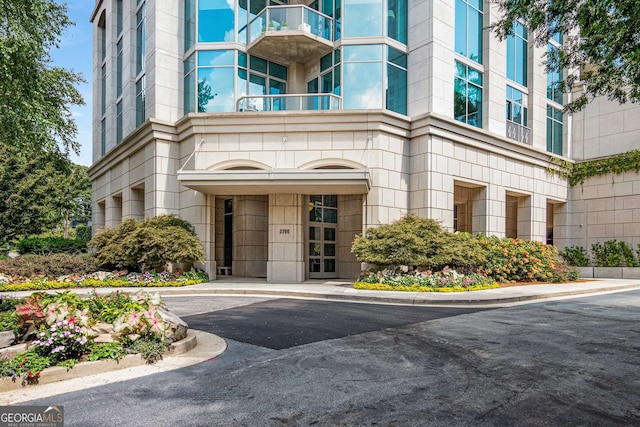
x=323, y=235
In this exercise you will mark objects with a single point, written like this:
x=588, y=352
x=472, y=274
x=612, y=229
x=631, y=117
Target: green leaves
x=606, y=49
x=416, y=242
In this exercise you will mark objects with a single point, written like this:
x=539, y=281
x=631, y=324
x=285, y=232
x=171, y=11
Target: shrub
x=10, y=321
x=416, y=242
x=150, y=347
x=61, y=341
x=26, y=366
x=83, y=233
x=148, y=245
x=50, y=245
x=48, y=265
x=521, y=260
x=575, y=255
x=613, y=254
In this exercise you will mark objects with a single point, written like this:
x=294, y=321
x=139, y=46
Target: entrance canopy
x=278, y=181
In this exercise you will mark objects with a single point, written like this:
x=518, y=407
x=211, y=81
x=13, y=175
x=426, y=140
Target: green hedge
x=51, y=245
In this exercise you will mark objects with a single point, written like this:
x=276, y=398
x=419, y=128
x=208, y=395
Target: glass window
x=554, y=130
x=189, y=24
x=363, y=85
x=397, y=20
x=103, y=136
x=215, y=89
x=215, y=58
x=278, y=71
x=468, y=95
x=517, y=106
x=517, y=54
x=362, y=18
x=141, y=37
x=103, y=89
x=554, y=77
x=103, y=37
x=119, y=17
x=215, y=21
x=468, y=31
x=140, y=102
x=118, y=122
x=119, y=69
x=396, y=89
x=258, y=64
x=190, y=85
x=363, y=53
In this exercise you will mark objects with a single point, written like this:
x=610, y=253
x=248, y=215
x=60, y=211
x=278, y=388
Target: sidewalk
x=341, y=290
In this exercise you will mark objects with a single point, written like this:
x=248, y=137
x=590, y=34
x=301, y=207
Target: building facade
x=281, y=130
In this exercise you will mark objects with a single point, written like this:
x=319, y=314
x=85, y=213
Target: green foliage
x=26, y=367
x=35, y=99
x=575, y=255
x=605, y=50
x=55, y=265
x=577, y=173
x=613, y=253
x=150, y=347
x=51, y=245
x=442, y=281
x=110, y=350
x=61, y=341
x=522, y=260
x=8, y=303
x=148, y=245
x=10, y=321
x=416, y=242
x=83, y=233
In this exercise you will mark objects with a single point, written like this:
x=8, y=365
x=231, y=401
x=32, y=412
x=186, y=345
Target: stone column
x=286, y=238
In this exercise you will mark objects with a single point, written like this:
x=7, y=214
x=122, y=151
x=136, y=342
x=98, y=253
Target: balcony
x=287, y=34
x=519, y=133
x=290, y=102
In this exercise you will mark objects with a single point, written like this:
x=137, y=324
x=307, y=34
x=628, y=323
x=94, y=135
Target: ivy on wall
x=577, y=173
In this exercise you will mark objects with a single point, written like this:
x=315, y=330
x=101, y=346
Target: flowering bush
x=424, y=281
x=61, y=341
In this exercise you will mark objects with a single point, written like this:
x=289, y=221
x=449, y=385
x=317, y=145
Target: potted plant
x=284, y=26
x=272, y=26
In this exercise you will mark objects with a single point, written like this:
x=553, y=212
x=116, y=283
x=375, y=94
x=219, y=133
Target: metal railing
x=518, y=132
x=284, y=18
x=290, y=102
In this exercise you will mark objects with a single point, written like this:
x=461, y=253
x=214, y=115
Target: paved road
x=572, y=362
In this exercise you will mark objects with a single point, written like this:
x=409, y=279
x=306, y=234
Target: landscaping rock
x=176, y=327
x=6, y=338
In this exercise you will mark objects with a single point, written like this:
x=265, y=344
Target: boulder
x=6, y=338
x=176, y=328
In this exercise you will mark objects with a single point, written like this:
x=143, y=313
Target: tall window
x=262, y=77
x=397, y=20
x=141, y=50
x=189, y=24
x=468, y=95
x=554, y=99
x=468, y=30
x=362, y=18
x=102, y=34
x=517, y=54
x=327, y=82
x=396, y=90
x=554, y=130
x=119, y=73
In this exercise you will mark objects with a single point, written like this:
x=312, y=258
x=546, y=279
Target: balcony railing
x=290, y=102
x=285, y=18
x=518, y=132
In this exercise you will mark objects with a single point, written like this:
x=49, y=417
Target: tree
x=34, y=97
x=602, y=38
x=32, y=192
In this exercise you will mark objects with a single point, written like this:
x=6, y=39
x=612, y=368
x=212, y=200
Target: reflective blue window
x=362, y=85
x=190, y=84
x=397, y=20
x=362, y=18
x=516, y=106
x=554, y=130
x=517, y=54
x=468, y=30
x=216, y=75
x=396, y=90
x=468, y=95
x=215, y=21
x=189, y=24
x=141, y=37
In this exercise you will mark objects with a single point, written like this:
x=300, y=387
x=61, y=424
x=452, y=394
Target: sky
x=75, y=53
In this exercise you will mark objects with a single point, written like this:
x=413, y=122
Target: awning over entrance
x=255, y=182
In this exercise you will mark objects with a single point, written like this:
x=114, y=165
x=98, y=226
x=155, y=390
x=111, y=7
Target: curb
x=413, y=298
x=57, y=374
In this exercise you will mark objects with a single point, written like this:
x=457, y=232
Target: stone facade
x=247, y=180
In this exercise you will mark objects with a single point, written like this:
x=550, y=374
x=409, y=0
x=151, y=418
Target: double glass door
x=323, y=234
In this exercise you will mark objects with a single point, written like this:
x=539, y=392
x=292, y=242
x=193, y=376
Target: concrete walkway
x=342, y=290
